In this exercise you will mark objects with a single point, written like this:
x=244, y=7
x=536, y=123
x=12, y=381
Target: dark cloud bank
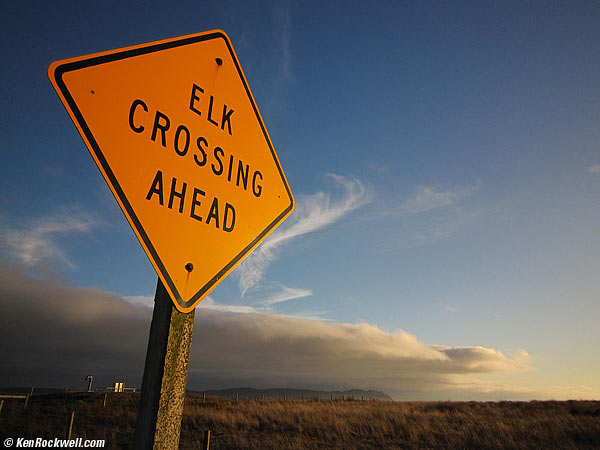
x=53, y=334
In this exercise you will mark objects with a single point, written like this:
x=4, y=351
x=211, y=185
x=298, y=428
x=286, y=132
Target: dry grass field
x=294, y=424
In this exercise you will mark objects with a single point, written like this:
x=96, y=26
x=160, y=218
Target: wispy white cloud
x=428, y=197
x=378, y=168
x=53, y=170
x=38, y=240
x=210, y=303
x=283, y=18
x=287, y=294
x=312, y=213
x=260, y=306
x=276, y=63
x=448, y=308
x=427, y=216
x=594, y=169
x=417, y=231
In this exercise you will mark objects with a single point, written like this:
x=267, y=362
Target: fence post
x=26, y=401
x=70, y=425
x=206, y=444
x=1, y=404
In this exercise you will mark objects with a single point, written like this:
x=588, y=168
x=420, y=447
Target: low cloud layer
x=54, y=334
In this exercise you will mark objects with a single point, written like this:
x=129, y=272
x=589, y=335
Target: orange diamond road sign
x=175, y=131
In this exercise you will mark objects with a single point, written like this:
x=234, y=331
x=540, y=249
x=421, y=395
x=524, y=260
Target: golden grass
x=293, y=424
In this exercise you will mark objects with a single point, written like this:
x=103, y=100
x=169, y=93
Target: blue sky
x=445, y=162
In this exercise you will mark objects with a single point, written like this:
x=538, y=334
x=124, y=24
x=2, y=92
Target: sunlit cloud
x=37, y=241
x=483, y=359
x=63, y=333
x=594, y=169
x=312, y=213
x=483, y=389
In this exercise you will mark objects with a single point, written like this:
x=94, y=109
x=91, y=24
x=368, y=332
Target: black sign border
x=61, y=69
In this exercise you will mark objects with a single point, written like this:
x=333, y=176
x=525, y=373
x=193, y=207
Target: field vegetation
x=296, y=424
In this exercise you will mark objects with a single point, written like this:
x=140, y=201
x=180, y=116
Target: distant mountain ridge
x=253, y=393
x=241, y=392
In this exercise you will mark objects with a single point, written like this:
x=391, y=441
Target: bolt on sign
x=174, y=129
